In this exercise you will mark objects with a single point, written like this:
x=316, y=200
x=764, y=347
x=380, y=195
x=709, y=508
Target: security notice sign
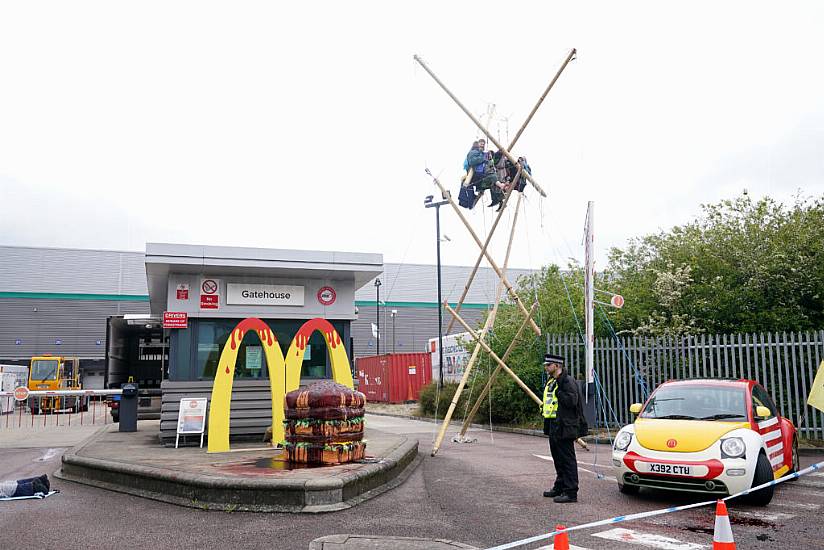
x=191, y=418
x=175, y=319
x=209, y=294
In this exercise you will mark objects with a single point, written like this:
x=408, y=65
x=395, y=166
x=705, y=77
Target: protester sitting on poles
x=564, y=422
x=484, y=175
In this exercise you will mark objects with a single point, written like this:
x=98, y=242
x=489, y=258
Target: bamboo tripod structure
x=484, y=253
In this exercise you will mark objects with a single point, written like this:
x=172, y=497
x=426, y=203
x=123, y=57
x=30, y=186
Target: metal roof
x=111, y=273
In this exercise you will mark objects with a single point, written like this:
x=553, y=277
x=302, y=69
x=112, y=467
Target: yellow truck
x=54, y=373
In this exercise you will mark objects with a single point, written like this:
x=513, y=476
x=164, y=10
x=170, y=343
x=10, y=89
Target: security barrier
x=90, y=408
x=641, y=515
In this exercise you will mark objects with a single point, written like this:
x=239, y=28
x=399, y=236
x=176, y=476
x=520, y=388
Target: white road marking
x=571, y=547
x=602, y=476
x=775, y=516
x=48, y=455
x=799, y=505
x=808, y=483
x=647, y=539
x=817, y=474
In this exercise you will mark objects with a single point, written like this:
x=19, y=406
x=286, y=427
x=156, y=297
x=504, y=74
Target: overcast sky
x=308, y=125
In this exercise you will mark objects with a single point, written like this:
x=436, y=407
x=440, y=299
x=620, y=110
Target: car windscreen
x=44, y=369
x=693, y=402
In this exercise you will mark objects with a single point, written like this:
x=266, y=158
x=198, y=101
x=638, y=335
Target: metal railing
x=628, y=368
x=40, y=410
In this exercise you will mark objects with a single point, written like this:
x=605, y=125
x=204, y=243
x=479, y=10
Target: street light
x=428, y=203
x=393, y=312
x=378, y=313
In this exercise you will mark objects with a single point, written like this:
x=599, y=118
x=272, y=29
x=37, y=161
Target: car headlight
x=622, y=441
x=733, y=447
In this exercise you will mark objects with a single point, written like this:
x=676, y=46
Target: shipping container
x=394, y=377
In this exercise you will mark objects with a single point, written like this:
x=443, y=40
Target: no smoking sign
x=209, y=298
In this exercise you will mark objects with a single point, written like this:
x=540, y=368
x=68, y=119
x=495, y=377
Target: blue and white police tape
x=640, y=515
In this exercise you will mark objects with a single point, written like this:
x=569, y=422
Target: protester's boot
x=565, y=498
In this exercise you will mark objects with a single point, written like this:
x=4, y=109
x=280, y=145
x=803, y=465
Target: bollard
x=128, y=408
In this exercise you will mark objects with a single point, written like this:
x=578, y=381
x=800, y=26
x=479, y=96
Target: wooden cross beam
x=490, y=321
x=486, y=244
x=486, y=132
x=512, y=143
x=492, y=263
x=477, y=405
x=477, y=337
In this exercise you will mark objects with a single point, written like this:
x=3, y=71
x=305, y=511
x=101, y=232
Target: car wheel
x=629, y=489
x=763, y=474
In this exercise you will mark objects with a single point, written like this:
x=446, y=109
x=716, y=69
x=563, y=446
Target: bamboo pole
x=569, y=58
x=478, y=338
x=512, y=143
x=479, y=125
x=489, y=258
x=461, y=384
x=486, y=244
x=501, y=364
x=477, y=405
x=490, y=321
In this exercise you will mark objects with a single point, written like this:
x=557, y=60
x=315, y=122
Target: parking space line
x=764, y=516
x=647, y=539
x=600, y=476
x=799, y=505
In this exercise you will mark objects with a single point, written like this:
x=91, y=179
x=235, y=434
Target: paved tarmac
x=480, y=494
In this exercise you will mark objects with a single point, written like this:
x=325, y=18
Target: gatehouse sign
x=284, y=372
x=264, y=295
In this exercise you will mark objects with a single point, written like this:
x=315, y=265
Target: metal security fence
x=629, y=368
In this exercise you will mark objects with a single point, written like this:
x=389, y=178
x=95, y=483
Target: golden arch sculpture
x=284, y=373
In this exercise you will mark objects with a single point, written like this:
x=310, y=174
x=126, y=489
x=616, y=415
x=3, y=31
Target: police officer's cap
x=549, y=358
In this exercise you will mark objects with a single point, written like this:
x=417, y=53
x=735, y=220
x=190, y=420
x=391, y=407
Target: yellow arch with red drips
x=341, y=371
x=221, y=400
x=222, y=388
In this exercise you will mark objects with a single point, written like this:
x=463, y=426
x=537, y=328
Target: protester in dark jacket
x=24, y=487
x=563, y=421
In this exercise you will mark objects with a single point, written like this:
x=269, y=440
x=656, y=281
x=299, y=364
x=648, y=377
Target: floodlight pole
x=437, y=206
x=378, y=314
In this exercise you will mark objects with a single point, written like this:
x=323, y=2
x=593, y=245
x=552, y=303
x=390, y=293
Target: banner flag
x=816, y=398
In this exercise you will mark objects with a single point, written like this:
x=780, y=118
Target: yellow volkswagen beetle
x=717, y=437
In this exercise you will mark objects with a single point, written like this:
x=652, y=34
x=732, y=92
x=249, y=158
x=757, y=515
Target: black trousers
x=566, y=467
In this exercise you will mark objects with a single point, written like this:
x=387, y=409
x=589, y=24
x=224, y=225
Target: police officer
x=562, y=420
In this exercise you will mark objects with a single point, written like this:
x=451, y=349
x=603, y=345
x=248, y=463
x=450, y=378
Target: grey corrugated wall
x=78, y=323
x=414, y=326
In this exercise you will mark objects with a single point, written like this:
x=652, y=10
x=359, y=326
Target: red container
x=394, y=377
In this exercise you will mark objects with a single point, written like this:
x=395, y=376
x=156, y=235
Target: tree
x=741, y=266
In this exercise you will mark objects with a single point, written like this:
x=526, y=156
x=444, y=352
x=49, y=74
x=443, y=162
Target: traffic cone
x=561, y=541
x=722, y=535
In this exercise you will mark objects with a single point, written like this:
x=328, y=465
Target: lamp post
x=393, y=312
x=378, y=313
x=428, y=203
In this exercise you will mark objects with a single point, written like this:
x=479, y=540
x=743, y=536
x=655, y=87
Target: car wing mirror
x=635, y=408
x=762, y=412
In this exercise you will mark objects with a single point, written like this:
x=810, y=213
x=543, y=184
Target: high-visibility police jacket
x=550, y=409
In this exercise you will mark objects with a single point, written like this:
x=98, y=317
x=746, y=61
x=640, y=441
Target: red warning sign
x=21, y=393
x=183, y=291
x=208, y=301
x=617, y=301
x=175, y=319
